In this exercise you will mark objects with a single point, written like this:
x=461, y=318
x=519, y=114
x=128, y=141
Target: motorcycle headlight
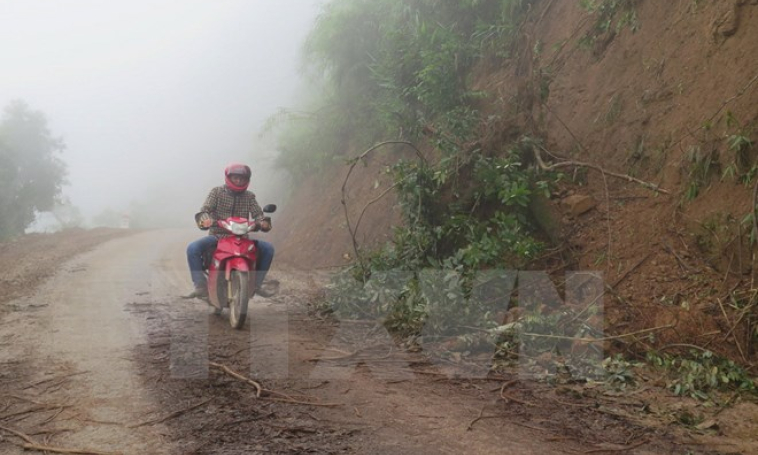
x=236, y=228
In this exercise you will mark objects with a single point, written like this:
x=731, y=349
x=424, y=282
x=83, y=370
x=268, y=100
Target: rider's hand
x=204, y=221
x=265, y=225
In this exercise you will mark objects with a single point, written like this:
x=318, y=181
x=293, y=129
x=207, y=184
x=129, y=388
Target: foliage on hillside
x=390, y=70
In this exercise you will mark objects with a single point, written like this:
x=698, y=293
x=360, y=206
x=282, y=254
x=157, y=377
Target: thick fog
x=154, y=97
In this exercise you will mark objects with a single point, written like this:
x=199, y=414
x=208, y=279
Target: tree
x=31, y=173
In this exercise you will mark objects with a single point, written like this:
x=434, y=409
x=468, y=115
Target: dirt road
x=106, y=357
x=72, y=343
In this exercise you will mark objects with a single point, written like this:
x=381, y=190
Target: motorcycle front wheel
x=238, y=299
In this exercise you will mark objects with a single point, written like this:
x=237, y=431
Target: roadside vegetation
x=399, y=72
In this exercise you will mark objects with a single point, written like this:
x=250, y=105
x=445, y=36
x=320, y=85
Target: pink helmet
x=237, y=169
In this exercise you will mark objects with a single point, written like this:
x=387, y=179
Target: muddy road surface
x=101, y=354
x=69, y=372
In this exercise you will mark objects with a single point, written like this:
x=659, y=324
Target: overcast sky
x=152, y=96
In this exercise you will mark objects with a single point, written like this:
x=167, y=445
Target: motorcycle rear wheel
x=239, y=299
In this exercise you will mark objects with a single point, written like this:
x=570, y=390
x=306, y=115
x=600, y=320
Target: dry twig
x=280, y=397
x=28, y=411
x=598, y=340
x=619, y=449
x=569, y=163
x=630, y=270
x=62, y=379
x=170, y=416
x=235, y=375
x=31, y=400
x=31, y=444
x=507, y=397
x=683, y=345
x=306, y=403
x=478, y=418
x=354, y=162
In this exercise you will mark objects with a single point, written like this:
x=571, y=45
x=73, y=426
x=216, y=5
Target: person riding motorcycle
x=230, y=199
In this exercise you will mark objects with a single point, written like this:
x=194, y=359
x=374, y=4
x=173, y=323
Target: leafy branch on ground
x=700, y=372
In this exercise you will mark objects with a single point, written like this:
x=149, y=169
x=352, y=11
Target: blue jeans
x=195, y=259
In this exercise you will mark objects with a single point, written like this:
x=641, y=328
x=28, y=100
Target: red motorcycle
x=230, y=268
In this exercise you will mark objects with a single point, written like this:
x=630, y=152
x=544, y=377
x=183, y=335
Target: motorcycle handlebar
x=200, y=217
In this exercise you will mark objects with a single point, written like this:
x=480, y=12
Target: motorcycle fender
x=236, y=263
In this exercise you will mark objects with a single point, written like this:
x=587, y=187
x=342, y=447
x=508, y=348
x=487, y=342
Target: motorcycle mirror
x=269, y=208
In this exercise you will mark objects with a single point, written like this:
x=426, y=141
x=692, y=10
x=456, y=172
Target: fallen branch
x=630, y=270
x=281, y=397
x=620, y=449
x=728, y=321
x=294, y=429
x=478, y=418
x=342, y=357
x=482, y=417
x=354, y=354
x=19, y=434
x=528, y=426
x=369, y=203
x=354, y=230
x=170, y=416
x=729, y=100
x=307, y=403
x=579, y=405
x=684, y=345
x=235, y=375
x=99, y=422
x=28, y=411
x=54, y=416
x=598, y=340
x=61, y=378
x=507, y=397
x=31, y=444
x=30, y=400
x=629, y=178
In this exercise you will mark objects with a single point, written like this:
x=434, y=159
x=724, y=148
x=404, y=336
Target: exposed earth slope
x=664, y=92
